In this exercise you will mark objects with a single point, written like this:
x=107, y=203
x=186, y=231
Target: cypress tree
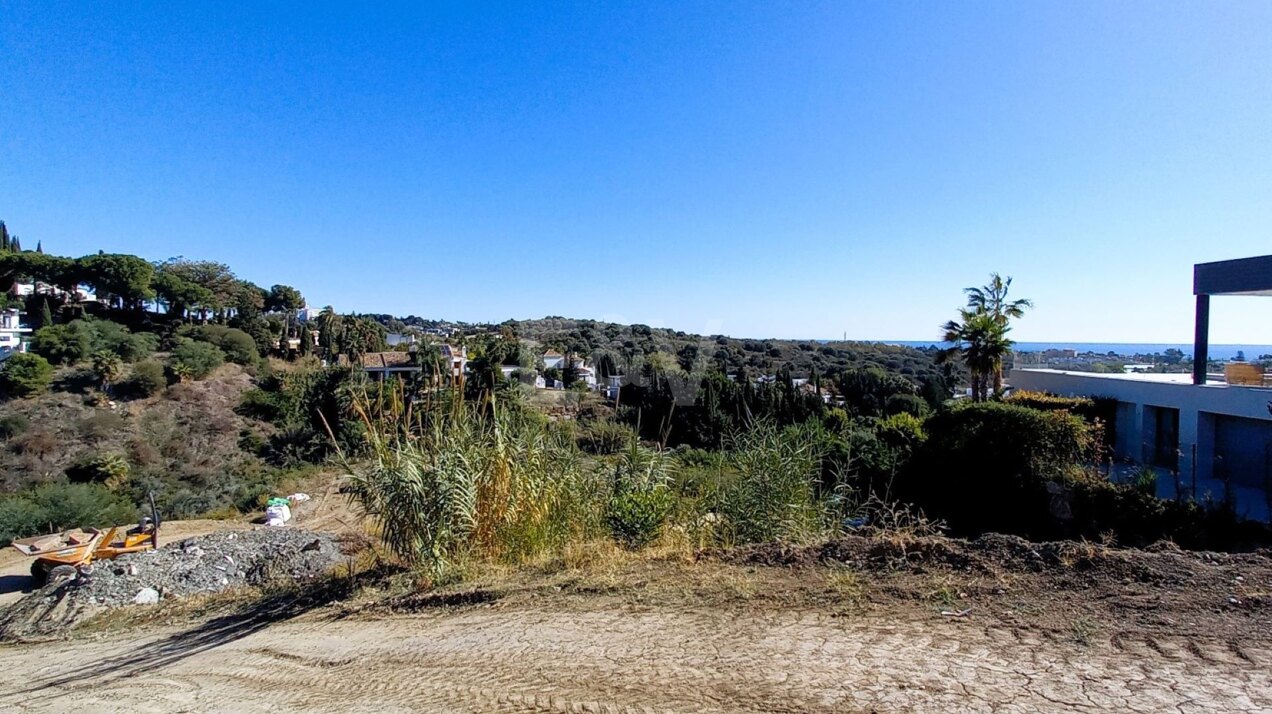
x=39, y=247
x=14, y=245
x=4, y=238
x=46, y=314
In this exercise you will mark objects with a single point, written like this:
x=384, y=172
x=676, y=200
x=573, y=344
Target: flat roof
x=1171, y=378
x=1244, y=276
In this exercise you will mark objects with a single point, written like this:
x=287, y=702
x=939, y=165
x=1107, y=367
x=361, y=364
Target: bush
x=113, y=337
x=985, y=466
x=636, y=517
x=604, y=438
x=64, y=344
x=195, y=360
x=237, y=346
x=773, y=496
x=1050, y=402
x=54, y=507
x=109, y=469
x=906, y=404
x=25, y=375
x=13, y=425
x=147, y=379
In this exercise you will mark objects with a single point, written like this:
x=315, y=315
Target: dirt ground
x=858, y=625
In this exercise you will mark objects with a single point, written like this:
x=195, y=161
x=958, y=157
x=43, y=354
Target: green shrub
x=636, y=517
x=113, y=337
x=1050, y=402
x=911, y=404
x=604, y=438
x=25, y=375
x=77, y=340
x=55, y=507
x=99, y=468
x=773, y=496
x=237, y=346
x=12, y=425
x=147, y=379
x=195, y=360
x=985, y=466
x=64, y=344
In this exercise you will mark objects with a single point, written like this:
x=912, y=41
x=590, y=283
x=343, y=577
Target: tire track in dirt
x=615, y=660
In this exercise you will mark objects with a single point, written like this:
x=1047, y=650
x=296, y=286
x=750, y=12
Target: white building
x=307, y=314
x=12, y=333
x=1212, y=430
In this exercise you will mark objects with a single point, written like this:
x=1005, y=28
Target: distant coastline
x=1126, y=349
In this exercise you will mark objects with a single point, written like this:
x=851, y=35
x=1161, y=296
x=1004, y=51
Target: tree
x=980, y=340
x=306, y=340
x=284, y=298
x=217, y=284
x=107, y=367
x=46, y=314
x=993, y=299
x=177, y=294
x=249, y=300
x=122, y=279
x=25, y=375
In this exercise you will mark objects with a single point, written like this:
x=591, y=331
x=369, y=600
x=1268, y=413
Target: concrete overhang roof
x=1244, y=276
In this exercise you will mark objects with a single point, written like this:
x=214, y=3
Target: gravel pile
x=201, y=565
x=209, y=564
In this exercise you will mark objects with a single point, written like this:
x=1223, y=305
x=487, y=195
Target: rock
x=146, y=596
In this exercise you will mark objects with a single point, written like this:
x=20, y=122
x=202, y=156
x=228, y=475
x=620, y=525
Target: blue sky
x=760, y=169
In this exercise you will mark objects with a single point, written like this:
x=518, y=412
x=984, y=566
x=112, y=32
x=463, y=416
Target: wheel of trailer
x=38, y=574
x=62, y=573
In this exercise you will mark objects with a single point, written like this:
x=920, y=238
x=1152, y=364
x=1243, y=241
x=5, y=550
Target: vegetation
x=25, y=375
x=712, y=441
x=979, y=336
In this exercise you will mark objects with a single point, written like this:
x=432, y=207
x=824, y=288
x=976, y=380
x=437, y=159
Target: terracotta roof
x=385, y=360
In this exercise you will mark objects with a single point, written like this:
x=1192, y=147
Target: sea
x=1124, y=349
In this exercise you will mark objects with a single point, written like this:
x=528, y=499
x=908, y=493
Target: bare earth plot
x=1122, y=631
x=528, y=659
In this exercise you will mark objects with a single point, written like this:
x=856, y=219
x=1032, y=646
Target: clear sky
x=784, y=169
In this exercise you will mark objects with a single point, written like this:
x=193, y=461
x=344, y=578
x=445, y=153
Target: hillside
x=185, y=442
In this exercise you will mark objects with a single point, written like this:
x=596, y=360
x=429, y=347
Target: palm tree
x=992, y=300
x=981, y=342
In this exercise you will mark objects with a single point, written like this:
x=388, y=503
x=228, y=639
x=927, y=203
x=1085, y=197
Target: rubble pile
x=209, y=564
x=201, y=565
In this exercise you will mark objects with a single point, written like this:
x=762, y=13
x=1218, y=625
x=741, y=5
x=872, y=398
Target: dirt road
x=592, y=656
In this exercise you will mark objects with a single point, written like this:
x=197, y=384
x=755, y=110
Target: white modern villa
x=12, y=333
x=1214, y=430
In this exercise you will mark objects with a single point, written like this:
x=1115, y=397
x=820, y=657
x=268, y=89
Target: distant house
x=553, y=360
x=307, y=314
x=11, y=333
x=456, y=357
x=613, y=384
x=383, y=364
x=24, y=290
x=393, y=339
